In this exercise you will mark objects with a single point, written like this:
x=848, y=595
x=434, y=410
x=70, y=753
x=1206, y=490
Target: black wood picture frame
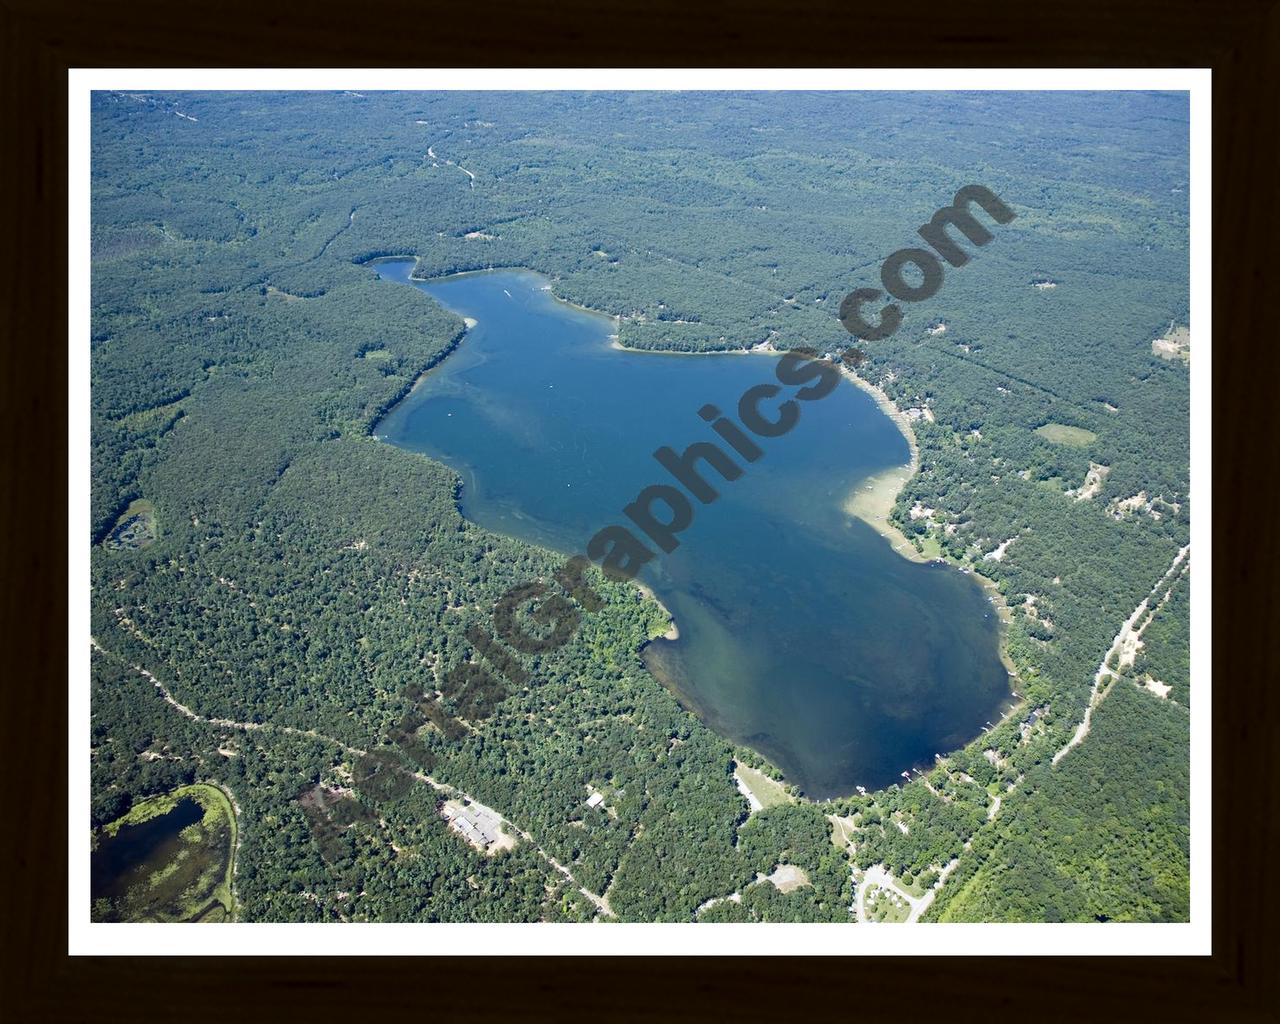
x=1238, y=39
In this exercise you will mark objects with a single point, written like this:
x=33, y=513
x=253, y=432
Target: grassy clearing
x=140, y=507
x=930, y=546
x=1072, y=437
x=841, y=831
x=915, y=889
x=769, y=792
x=885, y=906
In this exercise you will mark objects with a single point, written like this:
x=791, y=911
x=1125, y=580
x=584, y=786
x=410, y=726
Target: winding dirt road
x=1125, y=648
x=599, y=902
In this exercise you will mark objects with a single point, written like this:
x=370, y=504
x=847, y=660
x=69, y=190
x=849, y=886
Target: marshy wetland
x=171, y=858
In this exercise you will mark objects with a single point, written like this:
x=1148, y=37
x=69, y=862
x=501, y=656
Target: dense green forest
x=300, y=589
x=1106, y=838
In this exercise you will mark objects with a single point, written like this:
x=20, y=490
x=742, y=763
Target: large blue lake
x=802, y=634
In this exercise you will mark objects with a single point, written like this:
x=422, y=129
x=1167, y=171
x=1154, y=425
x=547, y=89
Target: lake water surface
x=802, y=634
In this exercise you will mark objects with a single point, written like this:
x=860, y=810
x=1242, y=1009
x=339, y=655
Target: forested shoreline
x=297, y=573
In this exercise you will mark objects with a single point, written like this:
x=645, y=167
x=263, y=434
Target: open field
x=767, y=791
x=1072, y=437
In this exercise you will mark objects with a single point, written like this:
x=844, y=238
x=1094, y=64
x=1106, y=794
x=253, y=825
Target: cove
x=802, y=634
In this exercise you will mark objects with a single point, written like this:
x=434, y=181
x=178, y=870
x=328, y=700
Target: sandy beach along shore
x=872, y=500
